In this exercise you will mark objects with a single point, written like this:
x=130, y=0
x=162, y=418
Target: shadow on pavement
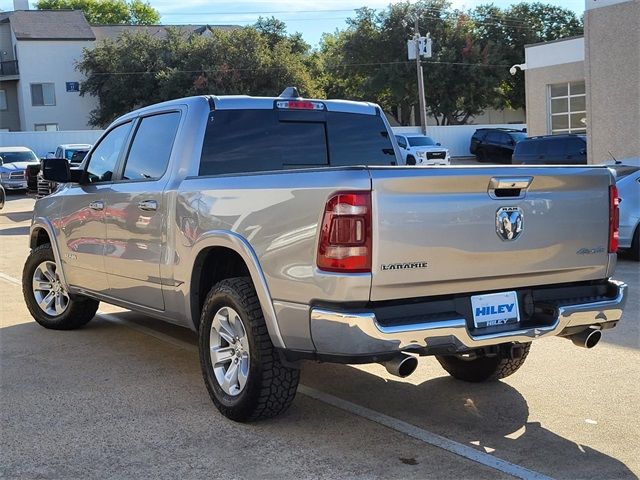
x=14, y=231
x=17, y=216
x=492, y=417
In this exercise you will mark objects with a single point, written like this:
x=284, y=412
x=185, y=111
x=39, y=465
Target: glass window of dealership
x=567, y=107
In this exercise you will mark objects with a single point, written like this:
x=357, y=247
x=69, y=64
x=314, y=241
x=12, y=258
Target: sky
x=310, y=17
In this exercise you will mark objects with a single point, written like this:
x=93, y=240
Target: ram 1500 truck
x=284, y=229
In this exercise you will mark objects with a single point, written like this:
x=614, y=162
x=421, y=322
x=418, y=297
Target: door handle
x=97, y=205
x=148, y=205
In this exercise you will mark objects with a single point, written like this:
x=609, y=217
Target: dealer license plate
x=495, y=309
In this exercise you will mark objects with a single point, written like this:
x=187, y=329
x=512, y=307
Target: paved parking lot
x=123, y=398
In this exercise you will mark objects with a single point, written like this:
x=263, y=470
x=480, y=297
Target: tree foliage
x=140, y=69
x=472, y=53
x=107, y=12
x=367, y=60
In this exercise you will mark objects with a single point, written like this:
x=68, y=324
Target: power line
x=343, y=65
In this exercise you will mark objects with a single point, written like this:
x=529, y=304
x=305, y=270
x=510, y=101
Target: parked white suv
x=422, y=150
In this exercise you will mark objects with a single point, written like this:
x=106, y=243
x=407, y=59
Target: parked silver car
x=628, y=183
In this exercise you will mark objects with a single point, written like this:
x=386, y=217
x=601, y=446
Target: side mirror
x=56, y=170
x=438, y=144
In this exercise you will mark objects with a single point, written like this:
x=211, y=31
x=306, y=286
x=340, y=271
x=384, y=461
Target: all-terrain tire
x=79, y=311
x=485, y=368
x=270, y=386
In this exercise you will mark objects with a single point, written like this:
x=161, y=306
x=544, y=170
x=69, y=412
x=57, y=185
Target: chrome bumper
x=343, y=333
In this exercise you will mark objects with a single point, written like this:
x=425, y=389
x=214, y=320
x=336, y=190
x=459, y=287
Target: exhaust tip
x=402, y=366
x=588, y=338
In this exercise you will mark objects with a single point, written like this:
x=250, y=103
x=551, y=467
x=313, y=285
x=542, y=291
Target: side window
x=556, y=147
x=58, y=152
x=105, y=156
x=401, y=142
x=492, y=137
x=575, y=146
x=356, y=139
x=151, y=147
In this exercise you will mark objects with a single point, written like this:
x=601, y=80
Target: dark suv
x=495, y=144
x=566, y=149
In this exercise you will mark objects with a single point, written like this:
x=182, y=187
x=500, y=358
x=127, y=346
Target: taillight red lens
x=614, y=218
x=345, y=235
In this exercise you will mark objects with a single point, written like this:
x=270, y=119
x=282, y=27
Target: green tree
x=519, y=25
x=104, y=12
x=138, y=69
x=472, y=53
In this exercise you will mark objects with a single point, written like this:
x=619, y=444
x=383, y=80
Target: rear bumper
x=343, y=333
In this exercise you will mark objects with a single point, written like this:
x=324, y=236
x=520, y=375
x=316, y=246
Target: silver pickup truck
x=284, y=229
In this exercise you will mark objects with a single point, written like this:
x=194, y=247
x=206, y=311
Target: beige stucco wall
x=612, y=62
x=536, y=81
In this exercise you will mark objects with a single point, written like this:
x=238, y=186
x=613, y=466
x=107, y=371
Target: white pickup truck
x=283, y=229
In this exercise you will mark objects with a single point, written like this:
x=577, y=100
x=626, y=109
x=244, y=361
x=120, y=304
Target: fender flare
x=240, y=245
x=42, y=223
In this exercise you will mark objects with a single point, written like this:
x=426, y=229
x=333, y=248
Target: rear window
x=261, y=140
x=624, y=170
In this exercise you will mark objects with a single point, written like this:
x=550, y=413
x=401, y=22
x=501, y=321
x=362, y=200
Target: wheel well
x=213, y=265
x=39, y=237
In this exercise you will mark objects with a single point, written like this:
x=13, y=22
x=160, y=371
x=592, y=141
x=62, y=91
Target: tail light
x=345, y=237
x=614, y=219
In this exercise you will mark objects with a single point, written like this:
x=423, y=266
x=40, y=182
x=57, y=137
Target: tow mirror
x=56, y=170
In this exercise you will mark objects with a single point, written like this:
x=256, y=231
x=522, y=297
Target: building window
x=46, y=127
x=568, y=108
x=3, y=100
x=42, y=94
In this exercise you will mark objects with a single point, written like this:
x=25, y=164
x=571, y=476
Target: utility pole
x=423, y=107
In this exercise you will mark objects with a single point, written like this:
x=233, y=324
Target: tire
x=263, y=387
x=63, y=312
x=411, y=160
x=481, y=156
x=634, y=253
x=487, y=368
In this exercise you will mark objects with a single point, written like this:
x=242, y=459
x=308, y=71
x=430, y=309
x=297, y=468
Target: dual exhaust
x=588, y=338
x=404, y=365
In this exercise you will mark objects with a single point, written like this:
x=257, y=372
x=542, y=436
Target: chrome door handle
x=148, y=205
x=97, y=205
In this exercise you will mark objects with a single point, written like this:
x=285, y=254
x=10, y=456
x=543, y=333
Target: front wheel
x=635, y=245
x=47, y=299
x=483, y=368
x=242, y=370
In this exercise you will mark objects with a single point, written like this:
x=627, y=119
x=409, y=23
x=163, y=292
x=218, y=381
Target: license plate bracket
x=495, y=309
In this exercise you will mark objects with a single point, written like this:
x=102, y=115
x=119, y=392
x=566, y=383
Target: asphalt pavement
x=123, y=398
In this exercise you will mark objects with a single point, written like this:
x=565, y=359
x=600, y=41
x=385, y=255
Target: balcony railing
x=8, y=68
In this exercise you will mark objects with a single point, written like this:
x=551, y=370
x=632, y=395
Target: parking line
x=9, y=279
x=393, y=423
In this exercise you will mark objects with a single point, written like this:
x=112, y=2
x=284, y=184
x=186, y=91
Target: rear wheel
x=47, y=299
x=481, y=156
x=483, y=368
x=241, y=368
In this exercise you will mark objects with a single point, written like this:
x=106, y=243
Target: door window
x=104, y=157
x=151, y=147
x=401, y=142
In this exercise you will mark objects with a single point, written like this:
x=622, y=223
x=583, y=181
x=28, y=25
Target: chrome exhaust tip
x=401, y=366
x=588, y=338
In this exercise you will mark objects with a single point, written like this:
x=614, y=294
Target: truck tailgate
x=435, y=230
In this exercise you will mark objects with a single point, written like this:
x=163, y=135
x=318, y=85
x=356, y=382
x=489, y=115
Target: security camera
x=514, y=69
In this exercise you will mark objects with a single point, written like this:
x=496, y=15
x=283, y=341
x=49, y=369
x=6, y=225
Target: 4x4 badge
x=509, y=222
